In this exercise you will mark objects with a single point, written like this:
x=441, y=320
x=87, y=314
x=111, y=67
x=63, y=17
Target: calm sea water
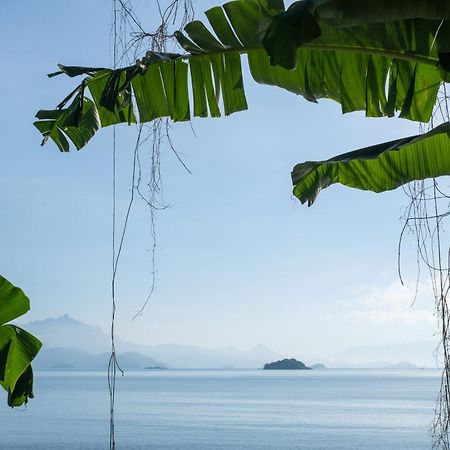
x=190, y=410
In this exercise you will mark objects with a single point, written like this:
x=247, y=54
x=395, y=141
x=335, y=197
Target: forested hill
x=286, y=364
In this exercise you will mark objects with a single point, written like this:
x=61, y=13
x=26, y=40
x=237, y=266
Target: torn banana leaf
x=315, y=49
x=377, y=168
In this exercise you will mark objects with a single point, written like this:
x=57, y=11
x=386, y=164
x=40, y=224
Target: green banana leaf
x=377, y=168
x=17, y=347
x=354, y=12
x=316, y=49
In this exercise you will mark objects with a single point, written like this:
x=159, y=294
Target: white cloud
x=379, y=316
x=394, y=303
x=395, y=297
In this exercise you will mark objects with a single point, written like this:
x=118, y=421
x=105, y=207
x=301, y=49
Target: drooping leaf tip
x=55, y=74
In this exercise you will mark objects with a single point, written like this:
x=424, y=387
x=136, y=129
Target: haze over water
x=254, y=409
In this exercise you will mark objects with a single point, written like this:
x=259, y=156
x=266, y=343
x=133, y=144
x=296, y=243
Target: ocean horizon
x=326, y=409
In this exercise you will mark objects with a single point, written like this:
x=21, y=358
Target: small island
x=318, y=366
x=286, y=364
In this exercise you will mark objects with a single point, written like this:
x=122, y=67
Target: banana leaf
x=319, y=49
x=377, y=168
x=18, y=348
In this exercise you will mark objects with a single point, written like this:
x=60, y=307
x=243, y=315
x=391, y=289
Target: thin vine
x=428, y=208
x=130, y=41
x=425, y=218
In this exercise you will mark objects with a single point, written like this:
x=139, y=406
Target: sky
x=239, y=260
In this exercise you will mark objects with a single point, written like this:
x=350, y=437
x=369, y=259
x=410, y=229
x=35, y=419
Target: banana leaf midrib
x=401, y=55
x=391, y=164
x=388, y=68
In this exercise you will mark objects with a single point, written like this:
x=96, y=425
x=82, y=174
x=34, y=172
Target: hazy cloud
x=394, y=303
x=378, y=316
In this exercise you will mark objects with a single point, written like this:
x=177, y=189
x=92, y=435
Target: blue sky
x=239, y=260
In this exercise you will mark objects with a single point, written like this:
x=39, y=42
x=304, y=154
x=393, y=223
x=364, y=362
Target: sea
x=227, y=410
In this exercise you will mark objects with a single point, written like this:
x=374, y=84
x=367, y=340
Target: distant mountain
x=67, y=333
x=419, y=353
x=197, y=357
x=371, y=365
x=73, y=359
x=403, y=365
x=318, y=366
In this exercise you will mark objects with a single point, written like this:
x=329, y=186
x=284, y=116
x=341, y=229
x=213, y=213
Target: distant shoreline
x=255, y=369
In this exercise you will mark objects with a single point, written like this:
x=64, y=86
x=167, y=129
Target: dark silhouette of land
x=286, y=364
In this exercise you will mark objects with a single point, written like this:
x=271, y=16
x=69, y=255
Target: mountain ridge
x=59, y=358
x=66, y=332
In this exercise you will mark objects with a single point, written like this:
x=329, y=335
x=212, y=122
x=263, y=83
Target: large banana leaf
x=332, y=47
x=377, y=168
x=17, y=347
